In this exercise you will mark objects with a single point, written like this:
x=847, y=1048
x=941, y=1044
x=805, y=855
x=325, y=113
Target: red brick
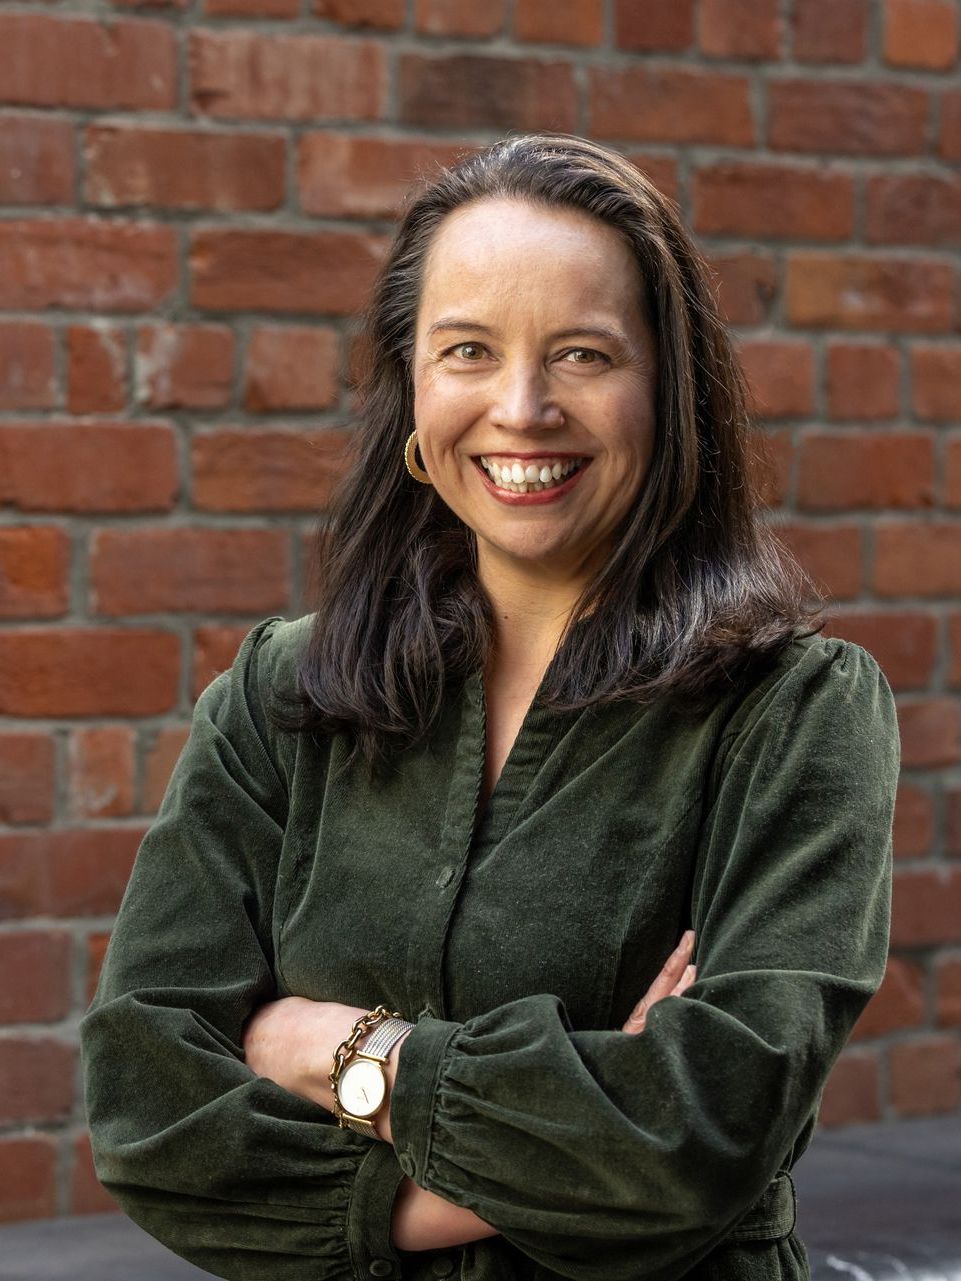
x=150, y=4
x=847, y=117
x=768, y=201
x=863, y=381
x=852, y=1092
x=459, y=17
x=913, y=822
x=96, y=368
x=88, y=869
x=925, y=1075
x=833, y=555
x=848, y=292
x=293, y=368
x=184, y=169
x=36, y=1080
x=246, y=470
x=252, y=8
x=27, y=376
x=771, y=464
x=250, y=75
x=387, y=14
x=28, y=1178
x=89, y=671
x=936, y=383
x=184, y=366
x=88, y=467
x=954, y=638
x=898, y=1003
x=36, y=161
x=163, y=748
x=930, y=732
x=780, y=377
x=161, y=570
x=468, y=90
x=661, y=104
x=950, y=140
x=740, y=28
x=948, y=972
x=87, y=1196
x=914, y=209
x=831, y=30
x=746, y=285
x=96, y=951
x=100, y=762
x=38, y=963
x=657, y=24
x=921, y=33
x=215, y=648
x=58, y=61
x=953, y=821
x=865, y=469
x=86, y=264
x=661, y=170
x=26, y=778
x=309, y=272
x=34, y=571
x=904, y=643
x=918, y=559
x=577, y=22
x=926, y=908
x=347, y=175
x=952, y=478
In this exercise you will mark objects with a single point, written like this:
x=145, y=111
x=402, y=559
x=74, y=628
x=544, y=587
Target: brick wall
x=196, y=194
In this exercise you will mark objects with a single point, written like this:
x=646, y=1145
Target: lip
x=540, y=497
x=517, y=453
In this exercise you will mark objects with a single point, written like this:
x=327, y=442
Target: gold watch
x=358, y=1078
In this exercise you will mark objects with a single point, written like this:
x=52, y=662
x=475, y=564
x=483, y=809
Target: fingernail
x=687, y=942
x=690, y=971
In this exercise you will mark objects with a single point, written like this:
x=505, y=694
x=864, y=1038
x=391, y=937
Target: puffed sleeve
x=611, y=1156
x=228, y=1169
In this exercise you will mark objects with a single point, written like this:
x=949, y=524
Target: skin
x=504, y=384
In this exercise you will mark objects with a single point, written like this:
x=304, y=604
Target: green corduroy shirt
x=518, y=940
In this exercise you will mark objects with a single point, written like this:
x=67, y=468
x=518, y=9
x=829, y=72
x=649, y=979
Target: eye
x=594, y=357
x=466, y=347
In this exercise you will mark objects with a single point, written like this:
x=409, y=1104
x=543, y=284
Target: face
x=533, y=376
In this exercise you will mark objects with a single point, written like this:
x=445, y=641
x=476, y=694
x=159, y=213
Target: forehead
x=506, y=249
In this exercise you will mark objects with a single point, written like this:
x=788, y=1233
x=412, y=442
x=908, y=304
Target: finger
x=687, y=978
x=672, y=970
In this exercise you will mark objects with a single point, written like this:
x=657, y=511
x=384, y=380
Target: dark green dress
x=518, y=939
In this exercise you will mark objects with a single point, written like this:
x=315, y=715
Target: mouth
x=515, y=475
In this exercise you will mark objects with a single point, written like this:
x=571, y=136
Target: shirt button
x=445, y=878
x=380, y=1268
x=442, y=1267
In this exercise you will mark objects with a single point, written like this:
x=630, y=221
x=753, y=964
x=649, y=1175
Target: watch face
x=361, y=1088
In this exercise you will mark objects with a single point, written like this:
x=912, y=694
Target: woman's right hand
x=674, y=979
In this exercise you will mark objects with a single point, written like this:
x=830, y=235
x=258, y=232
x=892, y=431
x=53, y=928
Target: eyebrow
x=592, y=331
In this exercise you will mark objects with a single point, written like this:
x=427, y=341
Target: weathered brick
x=28, y=1177
x=852, y=1092
x=59, y=61
x=780, y=376
x=930, y=732
x=459, y=17
x=905, y=642
x=926, y=907
x=26, y=777
x=661, y=170
x=88, y=671
x=184, y=366
x=950, y=137
x=838, y=470
x=251, y=8
x=215, y=648
x=468, y=90
x=86, y=264
x=251, y=75
x=767, y=201
x=36, y=1080
x=348, y=175
x=847, y=117
x=898, y=1003
x=746, y=285
x=831, y=30
x=921, y=33
x=88, y=467
x=87, y=869
x=952, y=473
x=310, y=272
x=661, y=104
x=914, y=209
x=913, y=833
x=37, y=164
x=740, y=28
x=100, y=771
x=657, y=24
x=39, y=963
x=171, y=570
x=918, y=559
x=576, y=22
x=34, y=570
x=292, y=368
x=954, y=642
x=386, y=14
x=96, y=951
x=27, y=375
x=87, y=1195
x=96, y=368
x=948, y=972
x=863, y=381
x=925, y=1075
x=771, y=465
x=936, y=383
x=833, y=555
x=245, y=470
x=184, y=169
x=848, y=292
x=162, y=750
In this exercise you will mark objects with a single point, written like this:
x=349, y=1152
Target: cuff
x=419, y=1063
x=369, y=1214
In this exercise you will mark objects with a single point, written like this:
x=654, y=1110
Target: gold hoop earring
x=410, y=458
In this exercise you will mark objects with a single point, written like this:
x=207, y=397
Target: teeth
x=521, y=479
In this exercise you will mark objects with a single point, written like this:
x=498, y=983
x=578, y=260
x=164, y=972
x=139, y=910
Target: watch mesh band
x=379, y=1043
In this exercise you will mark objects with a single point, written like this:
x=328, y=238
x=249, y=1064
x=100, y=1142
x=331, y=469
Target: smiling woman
x=388, y=995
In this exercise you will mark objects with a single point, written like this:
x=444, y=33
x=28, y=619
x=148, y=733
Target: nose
x=521, y=401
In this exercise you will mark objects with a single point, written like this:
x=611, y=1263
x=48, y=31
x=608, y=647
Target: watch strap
x=385, y=1035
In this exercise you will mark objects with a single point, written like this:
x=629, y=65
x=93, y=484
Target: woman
x=559, y=713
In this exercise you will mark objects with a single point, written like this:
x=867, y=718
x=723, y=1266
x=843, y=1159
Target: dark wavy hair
x=698, y=593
